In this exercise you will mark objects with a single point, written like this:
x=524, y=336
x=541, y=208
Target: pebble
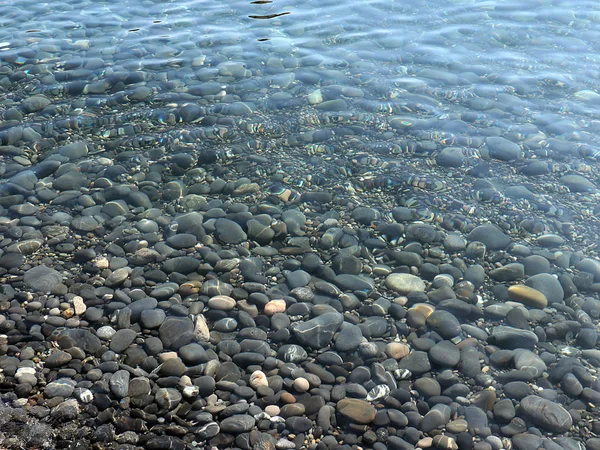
x=356, y=410
x=528, y=296
x=491, y=236
x=404, y=283
x=318, y=332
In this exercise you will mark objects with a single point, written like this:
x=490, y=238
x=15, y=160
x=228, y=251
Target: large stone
x=546, y=414
x=547, y=285
x=42, y=278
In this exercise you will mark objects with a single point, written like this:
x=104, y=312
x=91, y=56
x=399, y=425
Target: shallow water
x=331, y=83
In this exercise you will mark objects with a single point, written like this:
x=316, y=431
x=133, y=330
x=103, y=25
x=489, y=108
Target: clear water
x=303, y=92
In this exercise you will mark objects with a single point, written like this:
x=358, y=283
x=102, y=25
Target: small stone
x=490, y=235
x=258, y=379
x=275, y=306
x=79, y=305
x=301, y=384
x=397, y=350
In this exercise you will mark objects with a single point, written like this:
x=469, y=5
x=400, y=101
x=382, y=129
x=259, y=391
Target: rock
x=221, y=303
x=356, y=410
x=74, y=150
x=42, y=279
x=122, y=339
x=490, y=235
x=318, y=332
x=165, y=443
x=438, y=416
x=176, y=332
x=229, y=232
x=62, y=387
x=57, y=359
x=417, y=363
x=348, y=338
x=502, y=149
x=167, y=398
x=546, y=414
x=298, y=424
x=66, y=411
x=529, y=361
x=547, y=285
x=404, y=283
x=528, y=296
x=237, y=424
x=349, y=282
x=444, y=354
x=193, y=354
x=397, y=350
x=444, y=323
x=577, y=183
x=274, y=307
x=513, y=338
x=119, y=383
x=591, y=266
x=509, y=272
x=152, y=318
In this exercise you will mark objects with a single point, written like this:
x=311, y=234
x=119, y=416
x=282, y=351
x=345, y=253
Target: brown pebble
x=397, y=350
x=288, y=398
x=274, y=307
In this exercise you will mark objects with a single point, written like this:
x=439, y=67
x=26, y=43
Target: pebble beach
x=303, y=225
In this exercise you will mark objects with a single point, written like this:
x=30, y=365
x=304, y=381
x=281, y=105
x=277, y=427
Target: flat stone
x=237, y=424
x=221, y=303
x=57, y=359
x=62, y=387
x=349, y=282
x=358, y=411
x=417, y=363
x=119, y=383
x=513, y=338
x=444, y=354
x=404, y=283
